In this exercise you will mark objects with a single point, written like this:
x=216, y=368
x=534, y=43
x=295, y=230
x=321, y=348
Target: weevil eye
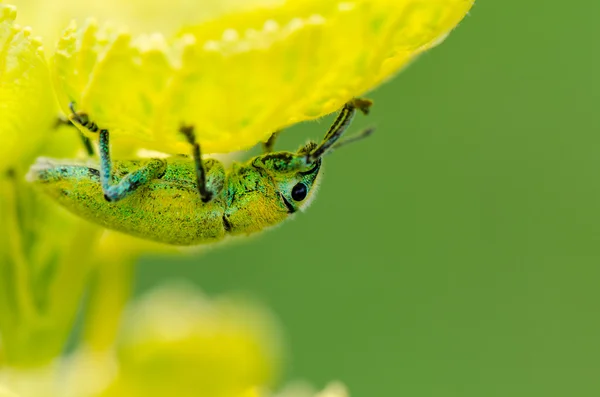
x=299, y=191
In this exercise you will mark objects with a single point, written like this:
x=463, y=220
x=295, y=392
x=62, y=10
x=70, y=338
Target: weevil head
x=295, y=179
x=299, y=187
x=296, y=175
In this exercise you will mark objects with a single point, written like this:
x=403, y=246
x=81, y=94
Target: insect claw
x=61, y=120
x=207, y=198
x=82, y=118
x=188, y=132
x=362, y=104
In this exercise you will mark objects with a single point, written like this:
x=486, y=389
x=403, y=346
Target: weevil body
x=182, y=201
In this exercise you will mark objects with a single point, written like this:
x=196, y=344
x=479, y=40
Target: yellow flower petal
x=178, y=343
x=239, y=77
x=42, y=259
x=26, y=99
x=4, y=392
x=166, y=16
x=251, y=392
x=302, y=389
x=335, y=389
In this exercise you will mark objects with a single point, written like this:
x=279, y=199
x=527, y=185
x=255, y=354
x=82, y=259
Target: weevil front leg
x=339, y=126
x=130, y=182
x=210, y=174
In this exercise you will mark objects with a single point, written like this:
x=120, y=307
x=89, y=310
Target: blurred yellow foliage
x=177, y=338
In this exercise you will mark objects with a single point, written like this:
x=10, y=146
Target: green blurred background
x=456, y=252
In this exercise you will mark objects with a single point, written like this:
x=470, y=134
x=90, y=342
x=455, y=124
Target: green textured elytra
x=188, y=201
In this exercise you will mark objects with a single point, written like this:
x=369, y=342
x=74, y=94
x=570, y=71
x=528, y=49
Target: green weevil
x=188, y=201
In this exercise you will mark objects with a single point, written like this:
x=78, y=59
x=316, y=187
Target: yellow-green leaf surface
x=26, y=99
x=242, y=75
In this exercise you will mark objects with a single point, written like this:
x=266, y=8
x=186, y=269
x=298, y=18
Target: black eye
x=299, y=192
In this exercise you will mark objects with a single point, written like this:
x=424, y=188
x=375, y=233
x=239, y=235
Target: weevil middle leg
x=210, y=174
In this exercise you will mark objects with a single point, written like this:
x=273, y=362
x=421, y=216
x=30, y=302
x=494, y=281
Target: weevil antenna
x=360, y=136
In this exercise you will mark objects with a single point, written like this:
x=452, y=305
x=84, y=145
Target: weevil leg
x=269, y=145
x=339, y=126
x=87, y=144
x=82, y=119
x=210, y=186
x=130, y=182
